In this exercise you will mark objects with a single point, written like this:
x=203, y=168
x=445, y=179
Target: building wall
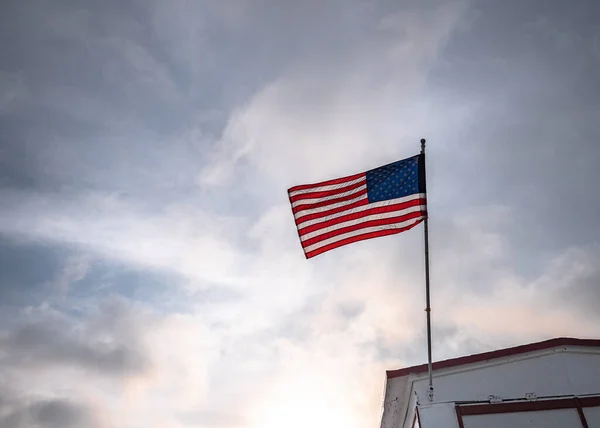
x=551, y=374
x=557, y=372
x=592, y=414
x=563, y=418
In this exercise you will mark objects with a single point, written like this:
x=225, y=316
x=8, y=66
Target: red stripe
x=313, y=216
x=357, y=215
x=323, y=194
x=326, y=183
x=328, y=202
x=358, y=238
x=370, y=223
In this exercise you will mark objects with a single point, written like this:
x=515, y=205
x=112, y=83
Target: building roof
x=500, y=353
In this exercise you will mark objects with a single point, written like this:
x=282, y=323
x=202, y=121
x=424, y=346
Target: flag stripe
x=336, y=182
x=364, y=209
x=303, y=217
x=320, y=192
x=343, y=231
x=324, y=210
x=381, y=201
x=326, y=203
x=323, y=228
x=366, y=234
x=362, y=188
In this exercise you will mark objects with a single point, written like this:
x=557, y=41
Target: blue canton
x=395, y=180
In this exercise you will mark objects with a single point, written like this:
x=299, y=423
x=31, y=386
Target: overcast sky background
x=150, y=272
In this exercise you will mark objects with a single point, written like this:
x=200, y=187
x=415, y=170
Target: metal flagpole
x=427, y=298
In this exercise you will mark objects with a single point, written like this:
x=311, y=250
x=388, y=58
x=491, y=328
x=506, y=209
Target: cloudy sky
x=150, y=271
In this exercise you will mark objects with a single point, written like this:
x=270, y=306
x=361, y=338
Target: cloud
x=557, y=301
x=317, y=112
x=12, y=91
x=182, y=239
x=133, y=364
x=107, y=342
x=75, y=269
x=36, y=412
x=160, y=139
x=571, y=280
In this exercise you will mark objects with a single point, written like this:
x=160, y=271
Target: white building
x=550, y=384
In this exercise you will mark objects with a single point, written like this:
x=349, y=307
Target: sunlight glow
x=301, y=403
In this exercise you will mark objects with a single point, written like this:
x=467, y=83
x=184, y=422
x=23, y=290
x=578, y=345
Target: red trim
x=501, y=353
x=589, y=401
x=459, y=418
x=575, y=403
x=518, y=406
x=581, y=414
x=416, y=418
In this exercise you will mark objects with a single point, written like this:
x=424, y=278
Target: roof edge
x=500, y=353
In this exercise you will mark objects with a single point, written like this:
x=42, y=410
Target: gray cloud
x=75, y=269
x=448, y=341
x=120, y=123
x=572, y=281
x=530, y=136
x=21, y=281
x=43, y=345
x=18, y=411
x=106, y=343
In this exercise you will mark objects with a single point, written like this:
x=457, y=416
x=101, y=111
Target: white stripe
x=366, y=230
x=362, y=220
x=328, y=198
x=303, y=224
x=318, y=188
x=329, y=207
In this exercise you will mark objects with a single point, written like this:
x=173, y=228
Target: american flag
x=382, y=201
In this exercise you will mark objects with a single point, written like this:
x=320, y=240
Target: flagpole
x=427, y=297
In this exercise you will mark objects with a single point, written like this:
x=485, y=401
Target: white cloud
x=320, y=121
x=307, y=335
x=75, y=269
x=302, y=342
x=178, y=350
x=483, y=295
x=181, y=239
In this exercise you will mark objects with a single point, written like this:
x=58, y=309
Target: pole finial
x=423, y=141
